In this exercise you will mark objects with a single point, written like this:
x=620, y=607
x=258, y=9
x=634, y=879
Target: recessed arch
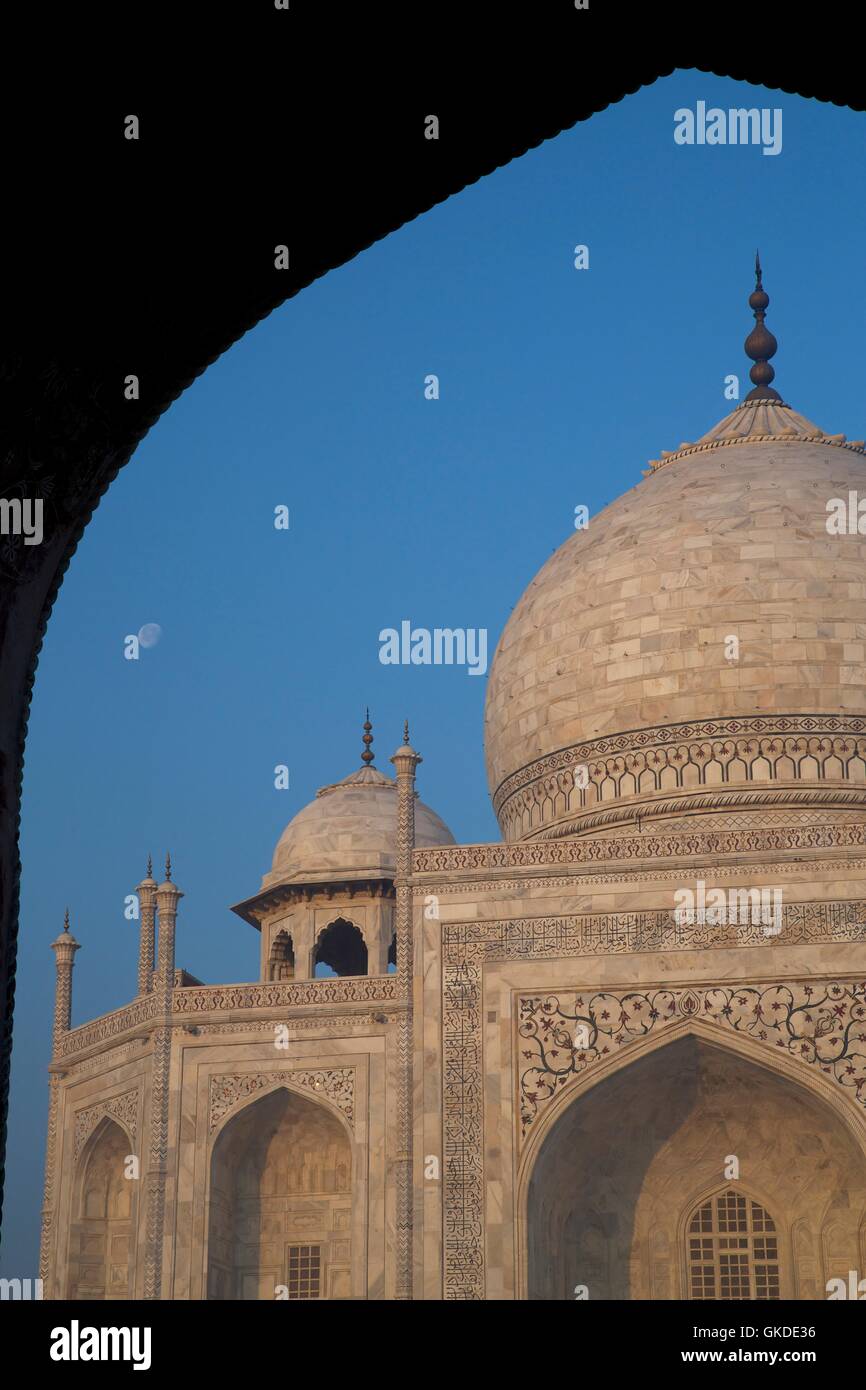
x=102, y=1234
x=282, y=1184
x=633, y=1150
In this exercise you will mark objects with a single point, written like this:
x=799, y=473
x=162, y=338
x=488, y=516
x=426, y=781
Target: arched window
x=281, y=964
x=392, y=955
x=340, y=950
x=732, y=1249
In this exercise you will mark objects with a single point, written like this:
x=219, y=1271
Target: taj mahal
x=519, y=1070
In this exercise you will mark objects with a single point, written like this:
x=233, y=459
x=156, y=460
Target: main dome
x=618, y=658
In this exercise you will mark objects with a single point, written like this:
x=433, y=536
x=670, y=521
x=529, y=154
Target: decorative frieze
x=108, y=1026
x=617, y=933
x=356, y=989
x=682, y=758
x=206, y=999
x=330, y=1024
x=695, y=844
x=590, y=879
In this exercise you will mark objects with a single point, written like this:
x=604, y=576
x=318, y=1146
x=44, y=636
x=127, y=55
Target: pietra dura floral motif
x=337, y=1084
x=562, y=1035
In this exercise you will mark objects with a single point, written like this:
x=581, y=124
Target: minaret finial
x=406, y=731
x=149, y=866
x=66, y=921
x=367, y=756
x=168, y=867
x=760, y=344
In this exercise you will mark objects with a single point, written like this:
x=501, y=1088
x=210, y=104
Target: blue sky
x=556, y=387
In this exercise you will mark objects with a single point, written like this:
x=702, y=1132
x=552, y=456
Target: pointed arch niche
x=103, y=1230
x=281, y=962
x=614, y=1182
x=280, y=1202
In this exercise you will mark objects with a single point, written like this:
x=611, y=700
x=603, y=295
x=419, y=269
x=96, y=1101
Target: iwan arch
x=526, y=1074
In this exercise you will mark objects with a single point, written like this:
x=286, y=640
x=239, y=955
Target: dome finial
x=760, y=344
x=367, y=756
x=406, y=731
x=66, y=921
x=168, y=867
x=150, y=866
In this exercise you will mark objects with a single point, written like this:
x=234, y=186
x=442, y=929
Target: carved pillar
x=64, y=949
x=378, y=937
x=46, y=1240
x=147, y=918
x=303, y=920
x=167, y=897
x=405, y=761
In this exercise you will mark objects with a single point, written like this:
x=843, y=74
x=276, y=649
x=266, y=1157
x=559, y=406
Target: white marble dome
x=350, y=831
x=616, y=659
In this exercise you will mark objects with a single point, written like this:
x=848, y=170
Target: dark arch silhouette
x=158, y=273
x=342, y=947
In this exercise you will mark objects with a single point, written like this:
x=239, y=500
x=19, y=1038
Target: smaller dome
x=350, y=831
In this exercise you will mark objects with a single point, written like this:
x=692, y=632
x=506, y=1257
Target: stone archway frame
x=284, y=1081
x=472, y=948
x=778, y=1063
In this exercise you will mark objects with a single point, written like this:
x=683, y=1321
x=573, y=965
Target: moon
x=149, y=635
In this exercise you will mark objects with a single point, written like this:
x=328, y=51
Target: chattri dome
x=702, y=643
x=350, y=830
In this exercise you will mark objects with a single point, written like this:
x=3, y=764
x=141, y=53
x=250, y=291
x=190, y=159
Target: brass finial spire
x=66, y=920
x=149, y=866
x=367, y=756
x=406, y=731
x=168, y=867
x=760, y=344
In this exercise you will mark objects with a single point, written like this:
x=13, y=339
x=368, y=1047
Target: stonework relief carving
x=614, y=933
x=562, y=1035
x=715, y=753
x=281, y=994
x=828, y=1028
x=649, y=846
x=463, y=1106
x=335, y=1084
x=77, y=1039
x=123, y=1108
